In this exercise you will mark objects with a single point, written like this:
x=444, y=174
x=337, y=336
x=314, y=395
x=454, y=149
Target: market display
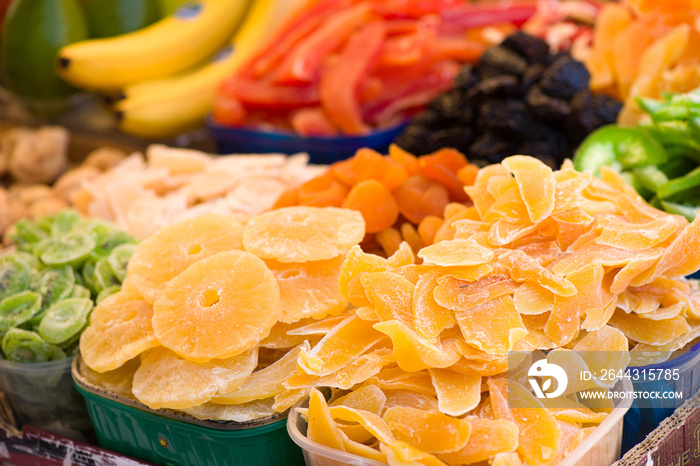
x=63, y=265
x=396, y=57
x=519, y=99
x=644, y=48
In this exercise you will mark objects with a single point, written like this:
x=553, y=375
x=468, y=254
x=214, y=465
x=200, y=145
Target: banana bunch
x=167, y=74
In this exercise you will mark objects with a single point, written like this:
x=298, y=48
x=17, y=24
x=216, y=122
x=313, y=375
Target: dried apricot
x=376, y=204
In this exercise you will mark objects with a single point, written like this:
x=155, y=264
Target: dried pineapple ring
x=300, y=234
x=456, y=252
x=218, y=307
x=488, y=438
x=430, y=431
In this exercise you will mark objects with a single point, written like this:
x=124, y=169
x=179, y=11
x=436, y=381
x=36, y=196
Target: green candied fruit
x=26, y=258
x=29, y=232
x=71, y=248
x=80, y=291
x=118, y=259
x=65, y=319
x=15, y=276
x=53, y=284
x=106, y=293
x=64, y=221
x=104, y=277
x=18, y=309
x=106, y=243
x=24, y=346
x=88, y=276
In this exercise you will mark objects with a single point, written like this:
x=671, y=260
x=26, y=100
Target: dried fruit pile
x=170, y=185
x=519, y=99
x=213, y=313
x=62, y=266
x=401, y=196
x=645, y=48
x=353, y=66
x=542, y=261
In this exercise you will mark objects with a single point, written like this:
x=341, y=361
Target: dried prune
x=564, y=78
x=499, y=60
x=546, y=107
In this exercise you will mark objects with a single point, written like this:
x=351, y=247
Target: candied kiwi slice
x=80, y=291
x=24, y=346
x=108, y=241
x=106, y=293
x=104, y=276
x=71, y=248
x=118, y=259
x=29, y=232
x=64, y=221
x=18, y=308
x=65, y=319
x=15, y=276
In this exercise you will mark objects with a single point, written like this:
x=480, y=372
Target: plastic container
x=321, y=150
x=645, y=415
x=169, y=438
x=600, y=448
x=43, y=395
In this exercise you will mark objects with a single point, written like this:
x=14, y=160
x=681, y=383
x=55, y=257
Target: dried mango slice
x=494, y=327
x=395, y=378
x=509, y=206
x=503, y=232
x=321, y=426
x=523, y=268
x=280, y=338
x=664, y=313
x=402, y=256
x=429, y=431
x=230, y=293
x=627, y=274
x=264, y=383
x=506, y=459
x=607, y=256
x=568, y=410
x=288, y=398
x=300, y=234
x=367, y=398
x=466, y=229
x=459, y=295
x=400, y=453
x=457, y=393
x=468, y=274
x=531, y=299
x=120, y=329
x=604, y=349
x=164, y=255
x=413, y=352
x=164, y=380
x=308, y=289
x=391, y=295
x=254, y=410
x=538, y=432
x=447, y=231
x=410, y=398
x=356, y=263
x=319, y=327
x=498, y=186
x=360, y=449
x=349, y=339
x=370, y=421
x=488, y=438
x=617, y=232
x=429, y=318
x=650, y=332
x=457, y=252
x=536, y=184
x=680, y=258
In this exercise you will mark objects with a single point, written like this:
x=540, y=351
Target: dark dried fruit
x=545, y=107
x=491, y=148
x=509, y=117
x=564, y=78
x=458, y=137
x=496, y=87
x=499, y=60
x=533, y=49
x=466, y=78
x=449, y=105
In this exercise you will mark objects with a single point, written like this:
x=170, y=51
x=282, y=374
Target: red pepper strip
x=303, y=63
x=407, y=49
x=473, y=15
x=411, y=8
x=401, y=26
x=313, y=122
x=341, y=79
x=265, y=94
x=411, y=95
x=228, y=111
x=457, y=48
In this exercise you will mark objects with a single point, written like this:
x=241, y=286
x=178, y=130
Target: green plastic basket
x=168, y=438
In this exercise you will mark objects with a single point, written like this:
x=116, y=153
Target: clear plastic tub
x=645, y=415
x=321, y=150
x=601, y=448
x=43, y=395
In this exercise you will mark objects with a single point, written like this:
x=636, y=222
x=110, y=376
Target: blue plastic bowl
x=645, y=415
x=322, y=150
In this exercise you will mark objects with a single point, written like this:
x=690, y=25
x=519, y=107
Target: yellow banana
x=194, y=32
x=166, y=107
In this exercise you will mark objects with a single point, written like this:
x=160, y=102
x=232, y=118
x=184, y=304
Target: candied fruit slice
x=523, y=268
x=391, y=295
x=300, y=234
x=429, y=318
x=494, y=327
x=568, y=410
x=479, y=195
x=536, y=184
x=488, y=438
x=165, y=380
x=402, y=256
x=617, y=232
x=367, y=398
x=413, y=352
x=428, y=228
x=430, y=431
x=370, y=421
x=161, y=257
x=459, y=295
x=395, y=378
x=411, y=399
x=357, y=263
x=650, y=332
x=321, y=426
x=375, y=203
x=456, y=252
x=532, y=299
x=420, y=197
x=457, y=393
x=231, y=293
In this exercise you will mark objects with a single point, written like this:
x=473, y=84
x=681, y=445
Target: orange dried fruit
x=478, y=193
x=428, y=227
x=458, y=295
x=539, y=434
x=568, y=410
x=408, y=160
x=391, y=295
x=467, y=174
x=494, y=327
x=443, y=166
x=280, y=337
x=322, y=191
x=300, y=234
x=402, y=256
x=264, y=383
x=531, y=299
x=368, y=164
x=321, y=426
x=349, y=339
x=488, y=438
x=231, y=293
x=399, y=453
x=308, y=289
x=390, y=240
x=456, y=252
x=618, y=232
x=376, y=204
x=447, y=231
x=318, y=327
x=255, y=410
x=117, y=381
x=650, y=332
x=429, y=431
x=457, y=393
x=411, y=399
x=412, y=237
x=355, y=265
x=506, y=459
x=429, y=318
x=360, y=449
x=164, y=255
x=165, y=380
x=419, y=197
x=367, y=398
x=374, y=424
x=395, y=378
x=535, y=183
x=120, y=329
x=523, y=268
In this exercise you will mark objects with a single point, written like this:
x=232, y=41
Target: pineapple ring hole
x=194, y=249
x=209, y=298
